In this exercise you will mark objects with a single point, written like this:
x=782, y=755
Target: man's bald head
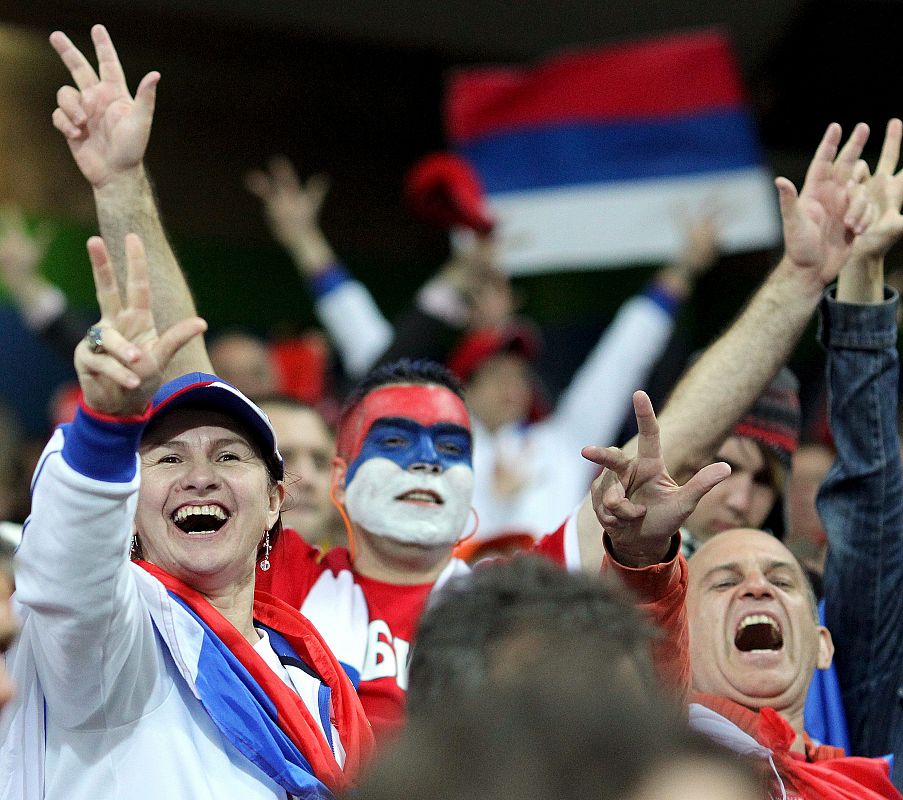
x=754, y=634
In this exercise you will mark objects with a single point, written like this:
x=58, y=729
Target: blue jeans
x=861, y=506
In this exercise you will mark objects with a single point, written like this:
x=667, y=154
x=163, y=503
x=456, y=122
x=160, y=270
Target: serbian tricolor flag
x=598, y=157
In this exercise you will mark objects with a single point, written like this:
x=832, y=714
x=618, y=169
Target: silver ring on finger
x=94, y=339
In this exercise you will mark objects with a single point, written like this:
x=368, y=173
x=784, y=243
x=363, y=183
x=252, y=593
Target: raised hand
x=293, y=211
x=106, y=128
x=21, y=252
x=121, y=371
x=635, y=499
x=875, y=200
x=816, y=236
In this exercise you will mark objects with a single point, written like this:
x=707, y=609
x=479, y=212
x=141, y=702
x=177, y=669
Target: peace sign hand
x=638, y=503
x=106, y=128
x=121, y=365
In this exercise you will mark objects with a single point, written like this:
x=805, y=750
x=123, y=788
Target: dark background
x=354, y=89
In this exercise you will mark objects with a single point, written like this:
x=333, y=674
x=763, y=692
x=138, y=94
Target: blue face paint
x=406, y=442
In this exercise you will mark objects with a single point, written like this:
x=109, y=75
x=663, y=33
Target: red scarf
x=293, y=716
x=824, y=773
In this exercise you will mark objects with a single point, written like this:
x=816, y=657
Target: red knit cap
x=774, y=419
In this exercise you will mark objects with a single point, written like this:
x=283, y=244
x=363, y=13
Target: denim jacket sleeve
x=861, y=506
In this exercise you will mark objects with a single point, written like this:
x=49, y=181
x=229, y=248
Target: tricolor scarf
x=823, y=774
x=261, y=715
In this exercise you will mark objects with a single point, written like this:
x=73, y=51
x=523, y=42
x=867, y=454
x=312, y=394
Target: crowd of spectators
x=423, y=576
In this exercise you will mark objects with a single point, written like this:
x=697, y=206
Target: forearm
x=72, y=573
x=127, y=205
x=348, y=312
x=865, y=284
x=592, y=407
x=660, y=592
x=310, y=252
x=714, y=394
x=861, y=505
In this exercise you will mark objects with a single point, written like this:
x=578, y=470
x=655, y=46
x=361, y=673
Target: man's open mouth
x=421, y=496
x=200, y=519
x=758, y=632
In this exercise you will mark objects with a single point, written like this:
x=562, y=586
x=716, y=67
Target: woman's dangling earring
x=265, y=561
x=133, y=550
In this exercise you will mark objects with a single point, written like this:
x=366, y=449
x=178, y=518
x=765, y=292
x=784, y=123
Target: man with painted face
x=409, y=444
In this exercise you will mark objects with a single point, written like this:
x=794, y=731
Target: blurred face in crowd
x=307, y=447
x=244, y=362
x=754, y=637
x=7, y=636
x=405, y=472
x=500, y=390
x=206, y=499
x=743, y=499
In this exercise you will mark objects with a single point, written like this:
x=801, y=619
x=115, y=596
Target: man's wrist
x=862, y=280
x=803, y=280
x=638, y=555
x=122, y=183
x=311, y=252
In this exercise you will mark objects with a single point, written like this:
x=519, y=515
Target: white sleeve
x=592, y=408
x=92, y=638
x=358, y=329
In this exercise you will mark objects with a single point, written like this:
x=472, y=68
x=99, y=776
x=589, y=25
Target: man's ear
x=337, y=478
x=825, y=648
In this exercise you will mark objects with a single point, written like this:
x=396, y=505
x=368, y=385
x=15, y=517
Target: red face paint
x=425, y=404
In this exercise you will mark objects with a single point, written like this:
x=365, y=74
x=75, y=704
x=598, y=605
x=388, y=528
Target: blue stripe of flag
x=578, y=153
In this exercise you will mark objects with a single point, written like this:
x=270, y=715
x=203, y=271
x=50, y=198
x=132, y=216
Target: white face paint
x=410, y=506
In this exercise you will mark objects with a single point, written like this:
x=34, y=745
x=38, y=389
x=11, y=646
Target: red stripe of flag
x=666, y=76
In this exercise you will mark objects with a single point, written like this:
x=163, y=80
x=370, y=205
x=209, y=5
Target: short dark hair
x=524, y=609
x=405, y=370
x=565, y=733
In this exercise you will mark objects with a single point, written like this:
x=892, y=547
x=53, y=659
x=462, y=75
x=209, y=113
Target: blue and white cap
x=202, y=390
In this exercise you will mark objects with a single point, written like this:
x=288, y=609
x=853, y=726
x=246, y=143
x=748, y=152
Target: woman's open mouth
x=198, y=520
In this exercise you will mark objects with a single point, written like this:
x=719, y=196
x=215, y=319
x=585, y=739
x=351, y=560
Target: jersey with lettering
x=370, y=624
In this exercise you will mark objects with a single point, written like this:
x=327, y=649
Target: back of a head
x=506, y=621
x=552, y=736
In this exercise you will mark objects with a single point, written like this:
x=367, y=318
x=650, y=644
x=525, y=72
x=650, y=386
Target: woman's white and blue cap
x=205, y=391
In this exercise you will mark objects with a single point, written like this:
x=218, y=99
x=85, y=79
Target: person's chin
x=722, y=525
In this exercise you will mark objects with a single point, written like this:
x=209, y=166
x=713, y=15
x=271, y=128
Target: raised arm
x=21, y=254
x=42, y=305
x=715, y=393
x=642, y=508
x=861, y=498
x=107, y=130
x=592, y=407
x=343, y=305
x=83, y=616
